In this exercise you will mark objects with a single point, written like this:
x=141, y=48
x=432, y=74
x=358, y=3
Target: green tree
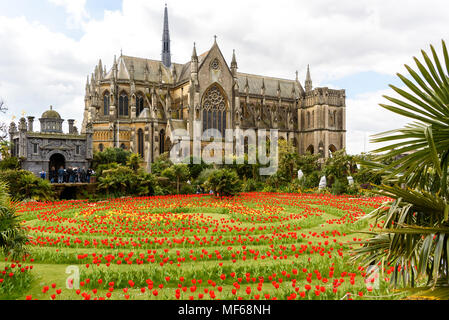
x=122, y=180
x=196, y=169
x=224, y=182
x=25, y=185
x=161, y=163
x=134, y=162
x=111, y=155
x=415, y=234
x=13, y=238
x=179, y=173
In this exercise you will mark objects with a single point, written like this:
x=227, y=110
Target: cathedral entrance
x=57, y=161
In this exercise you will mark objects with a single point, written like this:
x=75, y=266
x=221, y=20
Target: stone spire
x=194, y=61
x=308, y=80
x=234, y=66
x=166, y=54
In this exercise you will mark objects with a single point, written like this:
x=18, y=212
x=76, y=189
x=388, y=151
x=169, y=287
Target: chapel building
x=138, y=103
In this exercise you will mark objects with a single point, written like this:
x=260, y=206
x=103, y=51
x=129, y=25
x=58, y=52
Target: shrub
x=251, y=185
x=224, y=182
x=187, y=189
x=25, y=185
x=204, y=176
x=121, y=181
x=109, y=156
x=10, y=163
x=196, y=169
x=161, y=163
x=13, y=238
x=178, y=173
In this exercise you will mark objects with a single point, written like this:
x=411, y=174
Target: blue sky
x=53, y=16
x=49, y=47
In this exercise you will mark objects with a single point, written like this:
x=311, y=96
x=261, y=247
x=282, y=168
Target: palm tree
x=415, y=235
x=13, y=239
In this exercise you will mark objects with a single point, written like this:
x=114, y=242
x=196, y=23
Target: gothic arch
x=106, y=102
x=214, y=106
x=161, y=141
x=140, y=103
x=311, y=149
x=140, y=143
x=123, y=108
x=332, y=150
x=65, y=154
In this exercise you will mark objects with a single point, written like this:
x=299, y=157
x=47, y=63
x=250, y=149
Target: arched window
x=246, y=145
x=101, y=147
x=106, y=103
x=140, y=148
x=214, y=108
x=162, y=142
x=139, y=105
x=332, y=150
x=123, y=105
x=311, y=149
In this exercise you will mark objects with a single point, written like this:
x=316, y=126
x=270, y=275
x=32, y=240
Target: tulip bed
x=254, y=246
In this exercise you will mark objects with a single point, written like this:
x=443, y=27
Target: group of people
x=69, y=175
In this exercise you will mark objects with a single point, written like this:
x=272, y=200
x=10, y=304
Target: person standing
x=83, y=175
x=53, y=175
x=88, y=174
x=70, y=174
x=61, y=175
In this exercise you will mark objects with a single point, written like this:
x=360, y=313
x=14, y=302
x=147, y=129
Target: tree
x=162, y=162
x=178, y=172
x=25, y=185
x=224, y=182
x=111, y=155
x=415, y=234
x=13, y=238
x=134, y=162
x=337, y=169
x=288, y=161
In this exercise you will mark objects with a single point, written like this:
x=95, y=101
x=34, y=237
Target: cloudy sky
x=48, y=47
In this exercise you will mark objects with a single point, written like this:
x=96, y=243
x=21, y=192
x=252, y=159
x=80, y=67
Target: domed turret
x=51, y=121
x=51, y=114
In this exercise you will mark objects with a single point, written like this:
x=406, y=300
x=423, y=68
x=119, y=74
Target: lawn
x=255, y=246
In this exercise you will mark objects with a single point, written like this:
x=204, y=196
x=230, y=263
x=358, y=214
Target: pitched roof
x=255, y=83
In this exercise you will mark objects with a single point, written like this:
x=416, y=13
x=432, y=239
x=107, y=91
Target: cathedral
x=138, y=103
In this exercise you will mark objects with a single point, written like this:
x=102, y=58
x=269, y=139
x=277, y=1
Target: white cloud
x=76, y=11
x=365, y=118
x=39, y=67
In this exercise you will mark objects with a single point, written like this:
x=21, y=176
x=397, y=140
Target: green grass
x=288, y=224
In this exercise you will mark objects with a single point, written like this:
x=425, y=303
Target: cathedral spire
x=234, y=66
x=308, y=80
x=194, y=54
x=166, y=54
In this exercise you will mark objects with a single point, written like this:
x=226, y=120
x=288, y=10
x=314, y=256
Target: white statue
x=323, y=183
x=300, y=174
x=351, y=181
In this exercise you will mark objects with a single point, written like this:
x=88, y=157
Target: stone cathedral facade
x=138, y=102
